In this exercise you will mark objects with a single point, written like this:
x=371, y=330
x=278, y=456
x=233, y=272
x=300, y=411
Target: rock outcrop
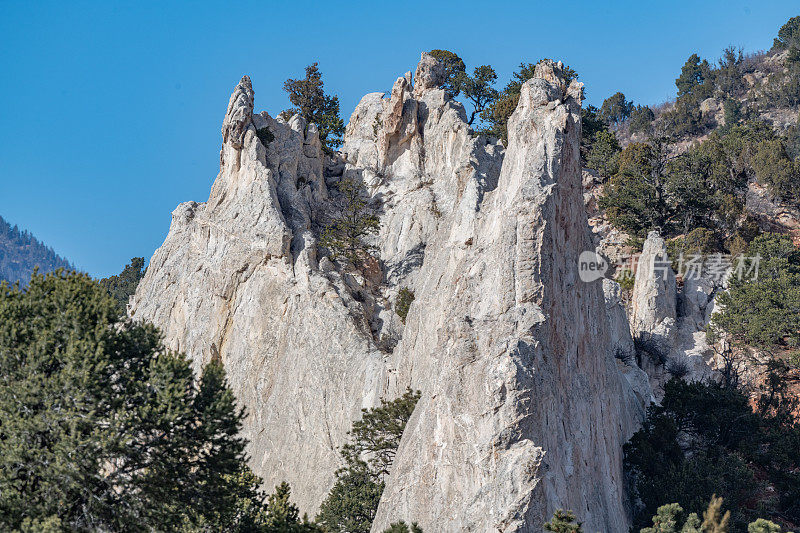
x=524, y=406
x=654, y=300
x=237, y=278
x=669, y=324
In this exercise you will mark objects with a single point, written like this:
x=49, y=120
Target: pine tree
x=102, y=429
x=563, y=522
x=453, y=68
x=311, y=102
x=352, y=502
x=123, y=286
x=346, y=234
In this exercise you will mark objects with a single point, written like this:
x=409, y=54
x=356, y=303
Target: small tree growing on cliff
x=478, y=89
x=453, y=68
x=311, y=102
x=563, y=522
x=353, y=500
x=345, y=236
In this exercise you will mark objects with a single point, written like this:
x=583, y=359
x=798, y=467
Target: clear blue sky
x=110, y=112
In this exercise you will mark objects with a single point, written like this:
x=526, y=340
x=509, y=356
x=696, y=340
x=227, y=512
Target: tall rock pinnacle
x=523, y=408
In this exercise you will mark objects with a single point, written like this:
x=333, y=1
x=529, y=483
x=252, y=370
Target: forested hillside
x=21, y=252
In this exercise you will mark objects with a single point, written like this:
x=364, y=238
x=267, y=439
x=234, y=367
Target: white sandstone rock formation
x=524, y=407
x=669, y=324
x=237, y=278
x=654, y=299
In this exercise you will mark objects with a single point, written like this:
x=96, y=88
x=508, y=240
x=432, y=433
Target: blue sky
x=110, y=112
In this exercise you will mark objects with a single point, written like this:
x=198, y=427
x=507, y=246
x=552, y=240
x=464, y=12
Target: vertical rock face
x=418, y=156
x=654, y=300
x=237, y=278
x=668, y=324
x=523, y=407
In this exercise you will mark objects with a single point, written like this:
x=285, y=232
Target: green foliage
x=280, y=515
x=728, y=75
x=763, y=526
x=101, y=428
x=478, y=89
x=689, y=191
x=694, y=75
x=592, y=124
x=311, y=102
x=123, y=286
x=404, y=298
x=352, y=502
x=789, y=38
x=265, y=136
x=765, y=312
x=615, y=109
x=563, y=522
x=732, y=112
x=353, y=221
x=377, y=435
x=635, y=199
x=688, y=450
x=701, y=187
x=668, y=518
x=641, y=119
x=454, y=69
x=402, y=527
x=604, y=153
x=774, y=168
x=684, y=118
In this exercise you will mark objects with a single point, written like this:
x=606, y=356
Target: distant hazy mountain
x=20, y=252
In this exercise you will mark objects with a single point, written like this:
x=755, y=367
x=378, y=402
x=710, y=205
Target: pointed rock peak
x=555, y=73
x=239, y=113
x=429, y=75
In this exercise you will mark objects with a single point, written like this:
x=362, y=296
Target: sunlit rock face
x=524, y=407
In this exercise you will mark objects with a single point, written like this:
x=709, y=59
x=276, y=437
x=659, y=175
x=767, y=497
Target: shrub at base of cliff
x=102, y=429
x=705, y=439
x=563, y=522
x=668, y=519
x=402, y=527
x=353, y=501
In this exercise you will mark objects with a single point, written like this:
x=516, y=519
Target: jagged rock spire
x=239, y=113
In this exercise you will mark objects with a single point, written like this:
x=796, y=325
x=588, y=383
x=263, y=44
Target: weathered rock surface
x=669, y=324
x=523, y=408
x=654, y=299
x=237, y=278
x=418, y=156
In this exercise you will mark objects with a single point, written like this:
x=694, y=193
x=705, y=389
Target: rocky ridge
x=524, y=404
